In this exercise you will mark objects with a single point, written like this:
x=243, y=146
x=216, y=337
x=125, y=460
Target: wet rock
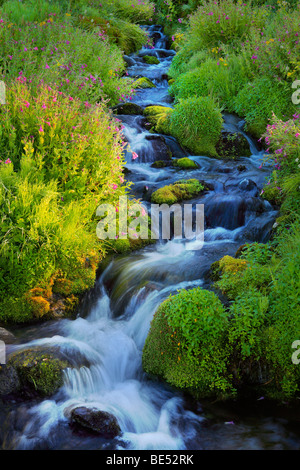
x=6, y=336
x=232, y=146
x=159, y=147
x=249, y=186
x=129, y=61
x=127, y=108
x=160, y=164
x=241, y=168
x=97, y=421
x=9, y=380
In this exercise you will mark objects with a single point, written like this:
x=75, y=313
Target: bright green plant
x=197, y=124
x=186, y=344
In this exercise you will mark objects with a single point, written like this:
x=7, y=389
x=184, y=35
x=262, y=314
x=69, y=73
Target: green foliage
x=214, y=78
x=225, y=22
x=248, y=317
x=238, y=275
x=179, y=191
x=257, y=102
x=51, y=185
x=30, y=11
x=257, y=253
x=197, y=124
x=186, y=344
x=75, y=62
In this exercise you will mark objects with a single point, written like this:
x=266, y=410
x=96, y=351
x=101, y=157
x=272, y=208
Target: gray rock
x=7, y=336
x=100, y=422
x=9, y=380
x=129, y=61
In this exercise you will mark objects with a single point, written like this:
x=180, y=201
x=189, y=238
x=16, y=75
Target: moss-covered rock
x=159, y=117
x=151, y=60
x=179, y=191
x=143, y=82
x=185, y=163
x=186, y=344
x=39, y=370
x=232, y=146
x=159, y=164
x=128, y=108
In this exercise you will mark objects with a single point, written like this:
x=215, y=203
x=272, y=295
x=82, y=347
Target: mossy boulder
x=186, y=344
x=143, y=82
x=185, y=164
x=233, y=145
x=39, y=370
x=159, y=117
x=151, y=60
x=160, y=164
x=128, y=108
x=97, y=421
x=179, y=191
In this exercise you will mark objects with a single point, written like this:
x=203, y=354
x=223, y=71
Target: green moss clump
x=39, y=371
x=159, y=164
x=179, y=191
x=159, y=117
x=185, y=163
x=197, y=123
x=151, y=60
x=186, y=345
x=143, y=82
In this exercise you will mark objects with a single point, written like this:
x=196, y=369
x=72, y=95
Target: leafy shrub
x=213, y=78
x=79, y=63
x=257, y=102
x=248, y=317
x=257, y=253
x=197, y=124
x=64, y=138
x=282, y=138
x=225, y=22
x=238, y=275
x=51, y=185
x=186, y=344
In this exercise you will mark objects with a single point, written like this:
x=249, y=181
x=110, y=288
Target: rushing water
x=110, y=332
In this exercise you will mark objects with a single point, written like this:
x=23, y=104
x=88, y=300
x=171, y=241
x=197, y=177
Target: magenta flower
x=7, y=161
x=134, y=155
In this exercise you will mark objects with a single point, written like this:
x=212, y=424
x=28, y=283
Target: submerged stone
x=97, y=421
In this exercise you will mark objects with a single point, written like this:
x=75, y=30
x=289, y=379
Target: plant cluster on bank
x=245, y=58
x=62, y=151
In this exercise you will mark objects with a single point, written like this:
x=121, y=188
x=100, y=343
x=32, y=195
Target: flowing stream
x=109, y=334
